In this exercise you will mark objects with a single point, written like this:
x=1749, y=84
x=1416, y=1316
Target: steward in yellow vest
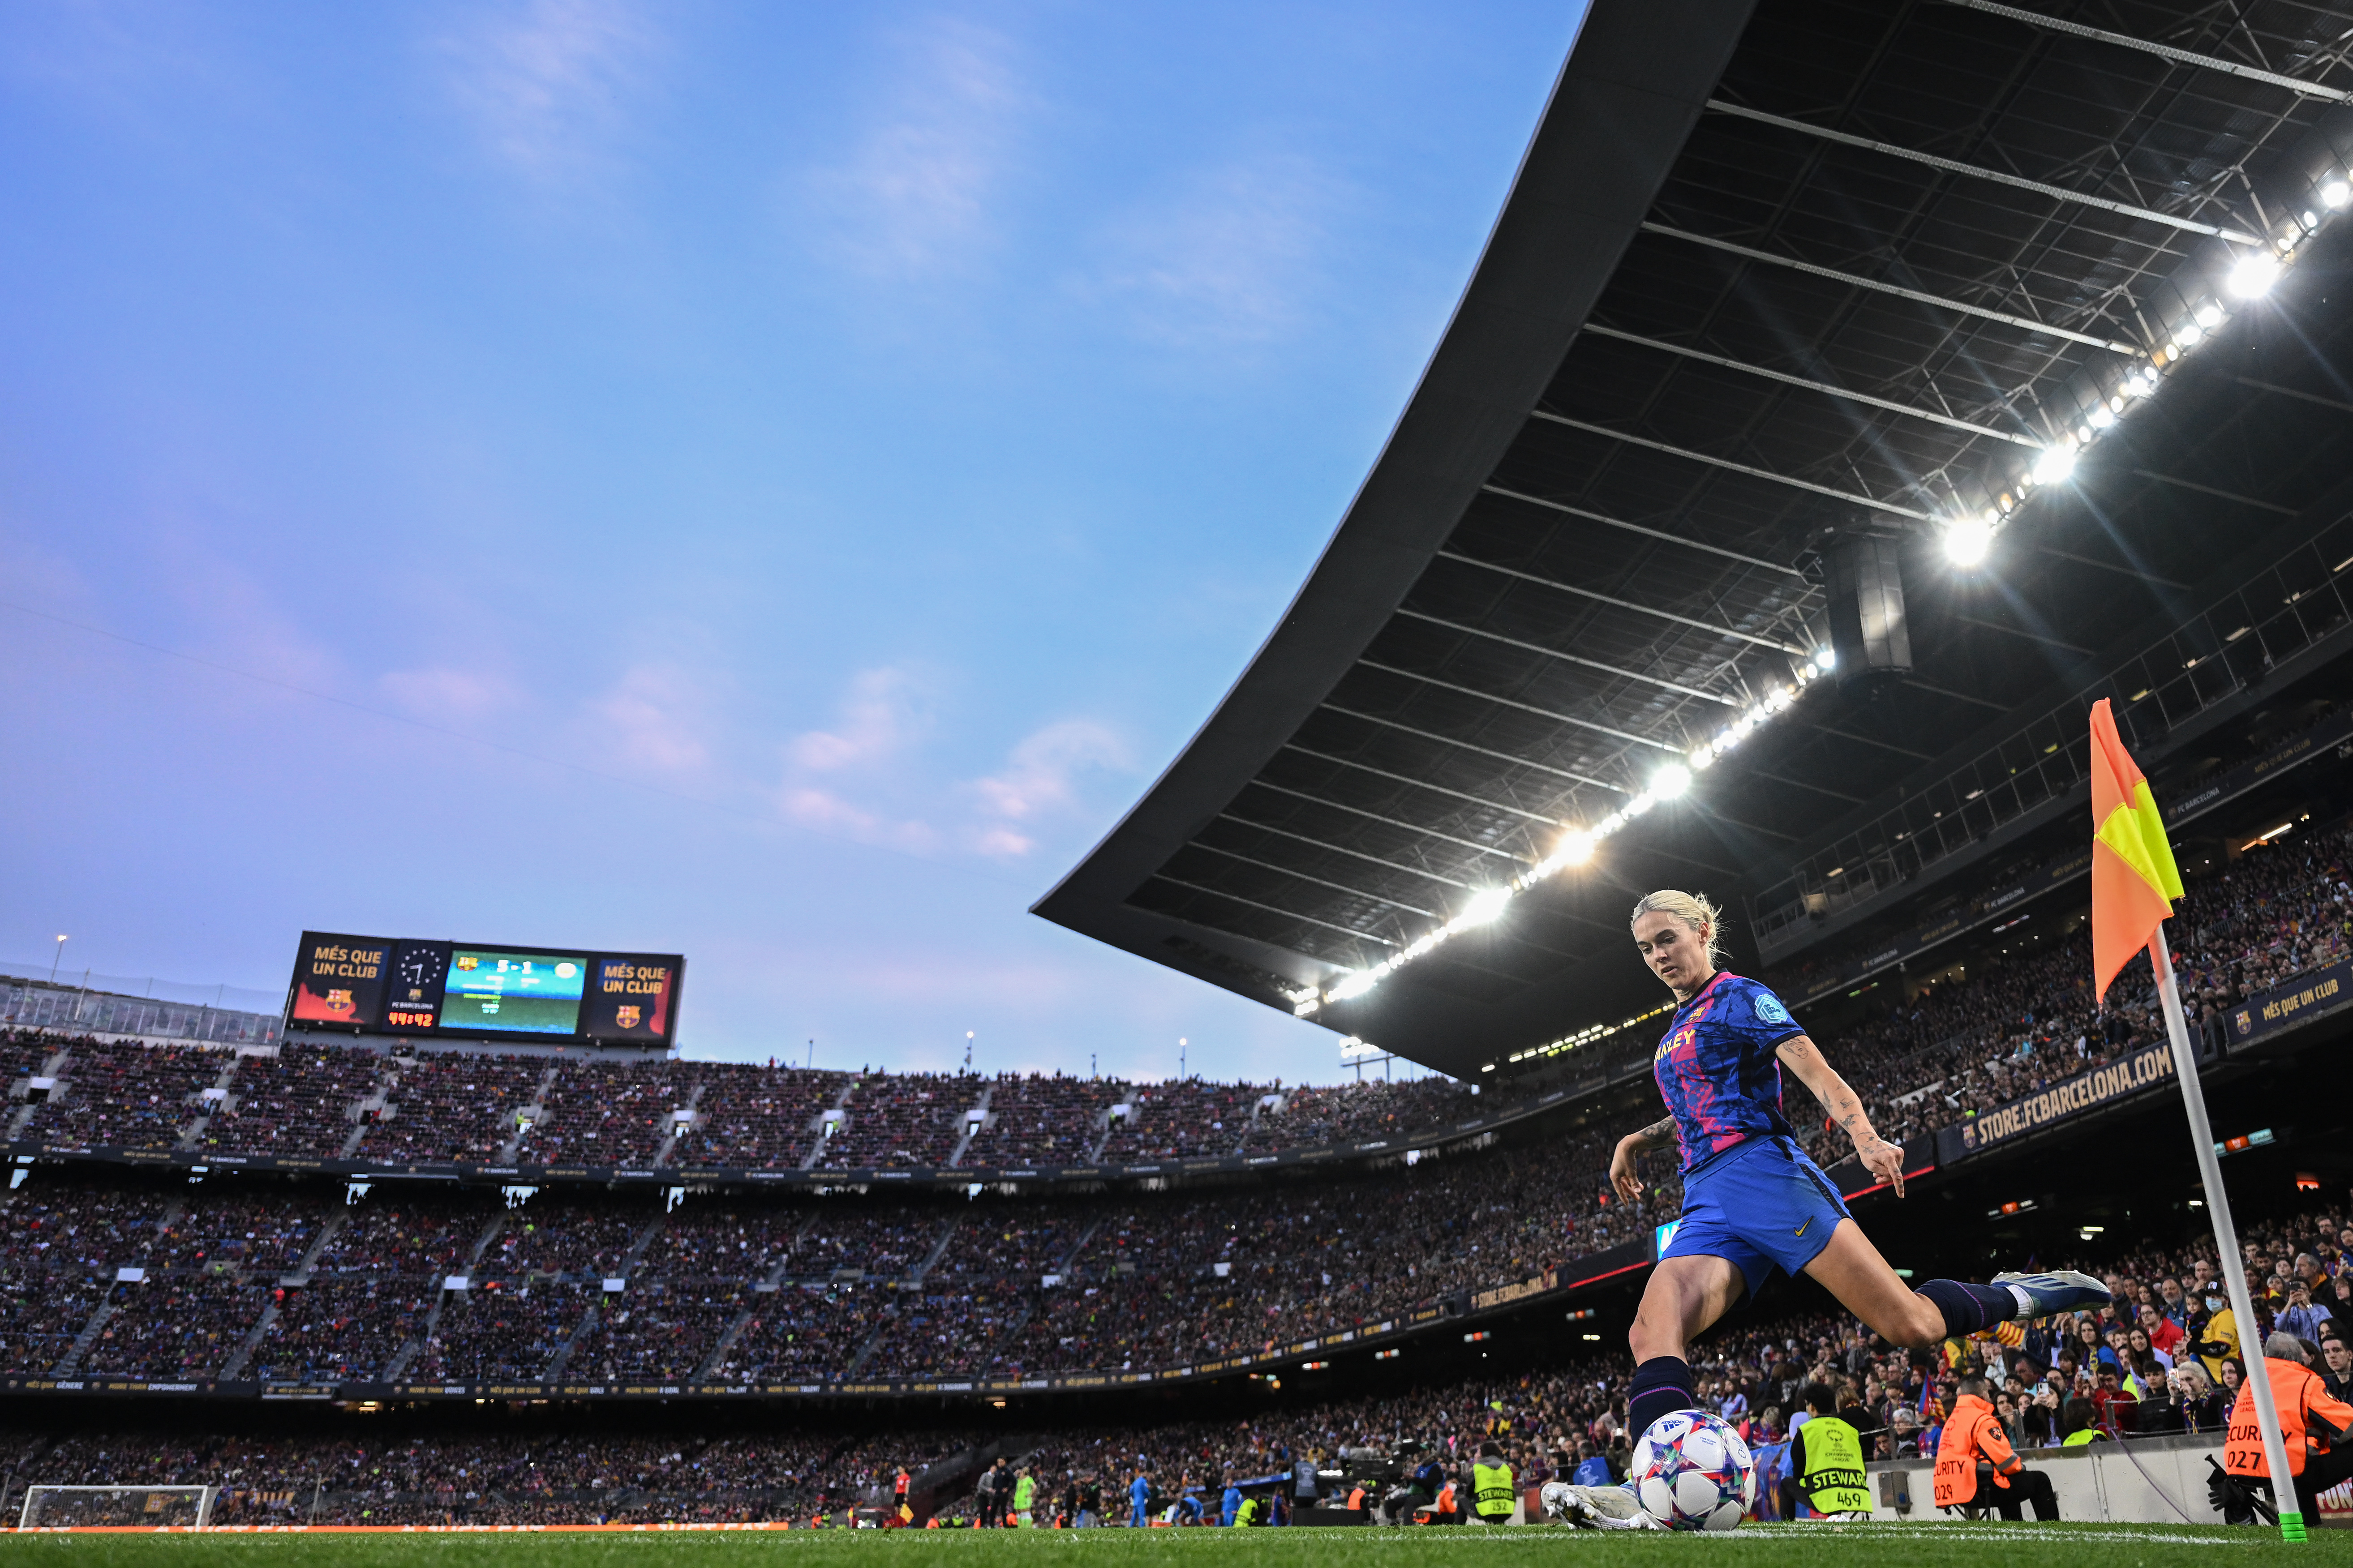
x=1492, y=1497
x=1831, y=1479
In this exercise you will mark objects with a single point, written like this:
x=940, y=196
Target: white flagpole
x=2232, y=1268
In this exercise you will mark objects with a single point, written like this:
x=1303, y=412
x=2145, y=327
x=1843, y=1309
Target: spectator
x=2338, y=1360
x=2301, y=1317
x=2039, y=1421
x=2214, y=1337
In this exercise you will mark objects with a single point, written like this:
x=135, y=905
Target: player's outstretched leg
x=1853, y=1271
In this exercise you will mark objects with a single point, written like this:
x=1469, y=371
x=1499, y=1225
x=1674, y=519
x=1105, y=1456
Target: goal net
x=116, y=1508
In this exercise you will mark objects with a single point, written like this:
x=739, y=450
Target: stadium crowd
x=308, y=1283
x=2158, y=1360
x=2014, y=1026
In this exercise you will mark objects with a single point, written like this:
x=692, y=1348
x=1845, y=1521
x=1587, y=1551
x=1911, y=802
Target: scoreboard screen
x=418, y=987
x=514, y=993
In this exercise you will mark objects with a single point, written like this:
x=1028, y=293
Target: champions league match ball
x=1690, y=1472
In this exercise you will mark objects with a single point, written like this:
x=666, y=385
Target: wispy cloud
x=866, y=777
x=829, y=812
x=1231, y=259
x=878, y=717
x=1040, y=780
x=915, y=195
x=548, y=82
x=653, y=719
x=442, y=693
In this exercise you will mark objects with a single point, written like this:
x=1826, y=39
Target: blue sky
x=772, y=483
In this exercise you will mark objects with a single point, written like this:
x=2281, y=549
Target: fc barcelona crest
x=626, y=1018
x=339, y=1002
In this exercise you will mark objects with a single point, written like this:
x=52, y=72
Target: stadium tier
x=413, y=1236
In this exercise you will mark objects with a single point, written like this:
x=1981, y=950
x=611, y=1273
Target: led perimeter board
x=405, y=985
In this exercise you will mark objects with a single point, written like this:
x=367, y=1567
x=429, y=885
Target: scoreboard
x=404, y=986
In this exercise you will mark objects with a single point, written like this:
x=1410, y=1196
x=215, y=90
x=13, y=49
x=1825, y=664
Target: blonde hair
x=1694, y=910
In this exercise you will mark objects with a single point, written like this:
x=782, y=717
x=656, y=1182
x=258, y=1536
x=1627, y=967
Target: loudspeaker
x=1866, y=612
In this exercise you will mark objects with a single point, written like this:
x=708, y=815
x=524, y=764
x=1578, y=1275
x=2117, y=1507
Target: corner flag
x=2134, y=884
x=2134, y=878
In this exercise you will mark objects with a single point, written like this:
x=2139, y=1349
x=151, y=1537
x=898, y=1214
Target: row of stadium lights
x=1967, y=541
x=1577, y=845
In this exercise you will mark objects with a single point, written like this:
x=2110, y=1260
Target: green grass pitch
x=1814, y=1546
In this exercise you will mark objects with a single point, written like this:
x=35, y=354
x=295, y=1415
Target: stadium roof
x=1772, y=276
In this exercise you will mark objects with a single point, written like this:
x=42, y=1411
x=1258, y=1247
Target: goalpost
x=118, y=1508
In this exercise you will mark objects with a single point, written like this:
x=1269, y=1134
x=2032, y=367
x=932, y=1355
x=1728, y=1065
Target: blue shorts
x=1761, y=1204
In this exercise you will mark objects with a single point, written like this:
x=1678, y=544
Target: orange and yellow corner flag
x=2134, y=878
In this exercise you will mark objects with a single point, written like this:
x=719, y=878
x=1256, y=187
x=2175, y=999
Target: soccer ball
x=1690, y=1472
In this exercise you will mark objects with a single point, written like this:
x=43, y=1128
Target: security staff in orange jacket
x=2313, y=1427
x=1974, y=1433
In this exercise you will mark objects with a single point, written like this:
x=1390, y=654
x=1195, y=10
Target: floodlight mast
x=2226, y=1238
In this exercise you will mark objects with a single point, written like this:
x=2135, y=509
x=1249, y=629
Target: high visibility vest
x=1491, y=1489
x=2305, y=1404
x=1971, y=1433
x=1356, y=1497
x=1833, y=1481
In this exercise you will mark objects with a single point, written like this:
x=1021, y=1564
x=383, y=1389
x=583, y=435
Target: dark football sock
x=1969, y=1309
x=1662, y=1386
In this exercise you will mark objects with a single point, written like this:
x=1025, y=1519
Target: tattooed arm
x=1659, y=1134
x=1882, y=1159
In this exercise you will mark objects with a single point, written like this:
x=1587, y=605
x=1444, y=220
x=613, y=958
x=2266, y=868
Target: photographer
x=2040, y=1420
x=2183, y=1401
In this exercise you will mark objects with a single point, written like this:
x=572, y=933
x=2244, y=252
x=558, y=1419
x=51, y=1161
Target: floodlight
x=1968, y=541
x=1574, y=849
x=2055, y=464
x=2335, y=193
x=1484, y=906
x=1826, y=659
x=1671, y=780
x=2254, y=276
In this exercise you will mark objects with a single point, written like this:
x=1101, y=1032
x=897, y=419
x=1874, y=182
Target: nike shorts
x=1761, y=1206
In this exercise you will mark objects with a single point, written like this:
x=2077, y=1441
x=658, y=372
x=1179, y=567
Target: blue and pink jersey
x=1716, y=1069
